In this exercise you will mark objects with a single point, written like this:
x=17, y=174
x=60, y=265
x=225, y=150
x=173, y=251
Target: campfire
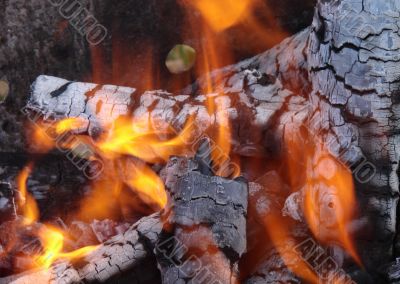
x=224, y=164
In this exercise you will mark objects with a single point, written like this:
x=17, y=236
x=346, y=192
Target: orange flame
x=328, y=190
x=329, y=201
x=278, y=231
x=26, y=202
x=149, y=185
x=53, y=242
x=222, y=14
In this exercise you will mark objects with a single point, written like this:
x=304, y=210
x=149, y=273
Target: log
x=353, y=67
x=204, y=231
x=126, y=257
x=254, y=93
x=339, y=79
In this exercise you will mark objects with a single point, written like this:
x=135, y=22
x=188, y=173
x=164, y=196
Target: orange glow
x=327, y=188
x=278, y=231
x=329, y=200
x=53, y=242
x=40, y=139
x=222, y=14
x=68, y=124
x=26, y=202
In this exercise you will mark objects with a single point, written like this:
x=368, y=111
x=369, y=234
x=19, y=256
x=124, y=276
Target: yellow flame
x=53, y=242
x=149, y=185
x=68, y=124
x=26, y=202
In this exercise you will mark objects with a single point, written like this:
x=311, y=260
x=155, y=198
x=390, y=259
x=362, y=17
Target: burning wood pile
x=282, y=168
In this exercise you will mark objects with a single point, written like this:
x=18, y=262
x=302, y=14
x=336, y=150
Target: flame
x=278, y=231
x=222, y=14
x=328, y=190
x=137, y=138
x=330, y=200
x=26, y=202
x=40, y=139
x=68, y=124
x=149, y=185
x=52, y=240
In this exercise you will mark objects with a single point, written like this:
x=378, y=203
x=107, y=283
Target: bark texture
x=204, y=232
x=130, y=252
x=338, y=80
x=353, y=64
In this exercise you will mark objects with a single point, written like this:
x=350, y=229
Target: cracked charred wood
x=126, y=257
x=95, y=104
x=204, y=231
x=353, y=66
x=339, y=78
x=261, y=94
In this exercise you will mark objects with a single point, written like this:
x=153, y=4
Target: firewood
x=259, y=94
x=204, y=231
x=129, y=252
x=338, y=78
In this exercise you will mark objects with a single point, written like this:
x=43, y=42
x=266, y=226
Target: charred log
x=259, y=94
x=339, y=79
x=206, y=208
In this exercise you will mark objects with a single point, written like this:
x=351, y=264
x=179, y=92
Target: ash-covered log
x=204, y=231
x=338, y=79
x=260, y=95
x=199, y=236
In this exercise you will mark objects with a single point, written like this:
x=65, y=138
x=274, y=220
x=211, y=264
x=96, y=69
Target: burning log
x=333, y=86
x=202, y=206
x=259, y=94
x=130, y=252
x=204, y=232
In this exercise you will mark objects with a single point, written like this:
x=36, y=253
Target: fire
x=26, y=202
x=68, y=124
x=327, y=188
x=138, y=139
x=52, y=240
x=278, y=231
x=330, y=200
x=149, y=185
x=40, y=138
x=222, y=14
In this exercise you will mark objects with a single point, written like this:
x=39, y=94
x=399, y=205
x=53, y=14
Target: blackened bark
x=204, y=232
x=339, y=79
x=353, y=63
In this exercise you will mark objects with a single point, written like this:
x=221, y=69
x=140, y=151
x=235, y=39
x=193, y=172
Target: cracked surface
x=204, y=233
x=254, y=91
x=126, y=257
x=353, y=61
x=340, y=77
